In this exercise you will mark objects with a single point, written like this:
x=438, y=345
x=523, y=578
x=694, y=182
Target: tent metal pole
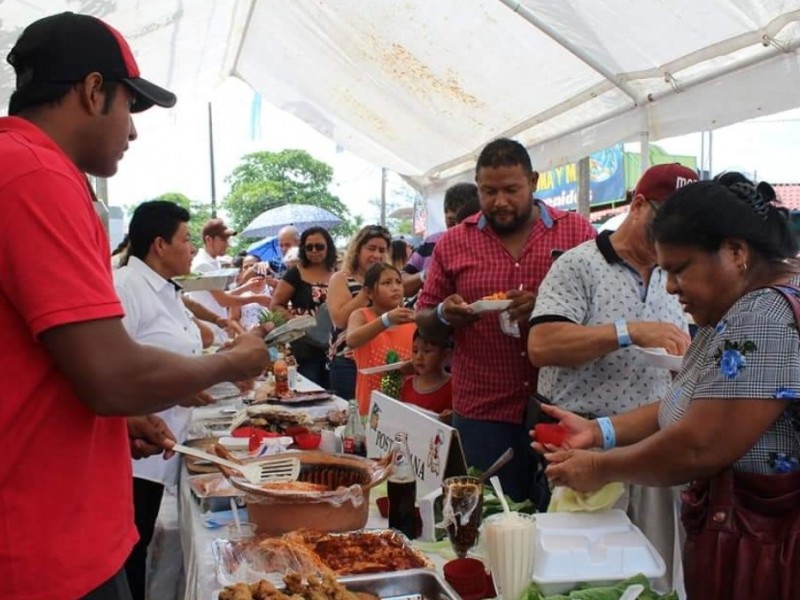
x=211, y=161
x=581, y=55
x=644, y=144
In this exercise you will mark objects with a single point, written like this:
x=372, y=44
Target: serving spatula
x=273, y=470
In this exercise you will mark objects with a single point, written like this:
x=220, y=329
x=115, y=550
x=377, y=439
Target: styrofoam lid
x=586, y=547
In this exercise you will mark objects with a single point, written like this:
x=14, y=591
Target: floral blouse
x=753, y=352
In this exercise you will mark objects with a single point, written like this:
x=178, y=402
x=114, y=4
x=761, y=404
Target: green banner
x=633, y=163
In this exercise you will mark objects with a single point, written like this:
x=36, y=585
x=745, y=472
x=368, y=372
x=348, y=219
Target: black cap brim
x=148, y=94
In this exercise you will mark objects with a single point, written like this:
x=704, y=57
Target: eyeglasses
x=315, y=247
x=655, y=206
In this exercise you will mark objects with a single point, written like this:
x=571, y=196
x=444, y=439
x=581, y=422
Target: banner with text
x=559, y=187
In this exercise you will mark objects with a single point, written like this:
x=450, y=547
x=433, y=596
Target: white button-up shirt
x=155, y=315
x=203, y=262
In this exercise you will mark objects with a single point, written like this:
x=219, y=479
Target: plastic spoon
x=498, y=490
x=235, y=511
x=632, y=592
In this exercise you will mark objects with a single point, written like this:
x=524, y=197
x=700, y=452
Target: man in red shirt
x=507, y=247
x=70, y=373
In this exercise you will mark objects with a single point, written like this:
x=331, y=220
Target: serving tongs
x=276, y=469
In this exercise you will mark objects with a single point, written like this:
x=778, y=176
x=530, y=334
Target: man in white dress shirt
x=216, y=239
x=160, y=249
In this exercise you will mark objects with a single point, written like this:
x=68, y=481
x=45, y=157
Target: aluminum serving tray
x=414, y=584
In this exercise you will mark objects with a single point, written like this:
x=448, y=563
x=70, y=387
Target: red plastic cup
x=550, y=433
x=308, y=441
x=383, y=506
x=467, y=576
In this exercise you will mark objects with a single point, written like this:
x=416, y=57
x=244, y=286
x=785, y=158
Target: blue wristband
x=387, y=322
x=609, y=435
x=440, y=314
x=623, y=336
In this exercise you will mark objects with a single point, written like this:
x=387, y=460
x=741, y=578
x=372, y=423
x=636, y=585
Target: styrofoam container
x=596, y=548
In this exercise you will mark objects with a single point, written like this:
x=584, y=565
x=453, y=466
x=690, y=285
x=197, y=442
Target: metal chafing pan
x=414, y=584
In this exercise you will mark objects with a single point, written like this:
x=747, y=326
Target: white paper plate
x=384, y=368
x=483, y=306
x=291, y=330
x=658, y=357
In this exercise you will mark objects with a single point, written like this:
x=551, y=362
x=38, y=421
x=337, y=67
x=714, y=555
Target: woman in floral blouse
x=736, y=401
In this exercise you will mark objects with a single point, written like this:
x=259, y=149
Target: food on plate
x=313, y=588
x=270, y=555
x=264, y=391
x=495, y=296
x=367, y=552
x=294, y=486
x=275, y=418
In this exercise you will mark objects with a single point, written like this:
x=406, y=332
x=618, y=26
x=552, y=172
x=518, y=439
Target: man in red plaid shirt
x=507, y=247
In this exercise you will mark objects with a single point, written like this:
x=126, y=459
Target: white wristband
x=440, y=314
x=623, y=336
x=387, y=322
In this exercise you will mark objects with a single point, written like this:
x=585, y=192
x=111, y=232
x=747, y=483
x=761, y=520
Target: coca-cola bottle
x=402, y=488
x=354, y=440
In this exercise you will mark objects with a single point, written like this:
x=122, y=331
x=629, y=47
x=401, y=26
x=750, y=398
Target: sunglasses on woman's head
x=378, y=231
x=315, y=247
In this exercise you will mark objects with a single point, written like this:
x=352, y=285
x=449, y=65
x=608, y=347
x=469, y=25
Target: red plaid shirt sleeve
x=492, y=376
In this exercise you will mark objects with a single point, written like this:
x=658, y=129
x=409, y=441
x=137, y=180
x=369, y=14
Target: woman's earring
x=743, y=268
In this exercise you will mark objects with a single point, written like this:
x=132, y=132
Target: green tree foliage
x=265, y=180
x=199, y=212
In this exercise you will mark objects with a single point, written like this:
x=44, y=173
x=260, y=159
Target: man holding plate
x=598, y=306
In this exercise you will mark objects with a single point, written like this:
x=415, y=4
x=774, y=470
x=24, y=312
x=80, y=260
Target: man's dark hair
x=472, y=206
x=458, y=195
x=504, y=152
x=330, y=253
x=152, y=220
x=51, y=94
x=706, y=213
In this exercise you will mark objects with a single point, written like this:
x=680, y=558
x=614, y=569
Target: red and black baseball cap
x=67, y=47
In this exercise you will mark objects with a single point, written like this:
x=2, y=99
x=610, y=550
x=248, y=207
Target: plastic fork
x=273, y=470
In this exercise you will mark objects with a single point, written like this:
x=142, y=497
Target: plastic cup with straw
x=509, y=542
x=239, y=530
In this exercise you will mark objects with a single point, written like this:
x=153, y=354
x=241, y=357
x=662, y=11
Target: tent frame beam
x=584, y=57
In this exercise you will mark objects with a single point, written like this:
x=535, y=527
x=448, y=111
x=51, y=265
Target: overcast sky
x=171, y=154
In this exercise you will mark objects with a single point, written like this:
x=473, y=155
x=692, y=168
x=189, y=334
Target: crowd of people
x=103, y=368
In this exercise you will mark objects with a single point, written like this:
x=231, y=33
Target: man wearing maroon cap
x=596, y=303
x=70, y=372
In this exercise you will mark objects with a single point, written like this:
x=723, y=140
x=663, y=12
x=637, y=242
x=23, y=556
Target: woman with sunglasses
x=305, y=288
x=346, y=295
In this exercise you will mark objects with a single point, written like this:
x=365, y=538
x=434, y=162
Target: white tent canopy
x=419, y=86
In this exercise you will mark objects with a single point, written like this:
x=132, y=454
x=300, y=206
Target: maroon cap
x=217, y=228
x=660, y=181
x=65, y=48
